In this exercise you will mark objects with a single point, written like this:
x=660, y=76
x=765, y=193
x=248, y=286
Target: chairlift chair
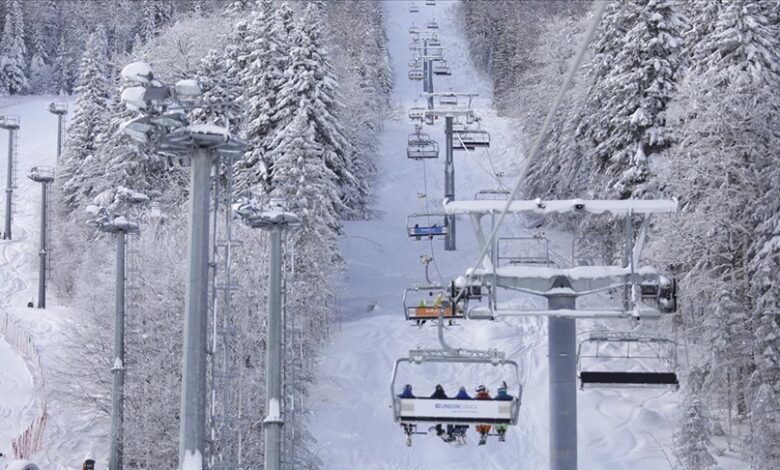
x=415, y=63
x=441, y=68
x=606, y=368
x=523, y=251
x=432, y=25
x=414, y=9
x=416, y=113
x=420, y=146
x=451, y=410
x=419, y=304
x=430, y=3
x=414, y=30
x=434, y=42
x=426, y=225
x=492, y=195
x=470, y=139
x=448, y=100
x=416, y=74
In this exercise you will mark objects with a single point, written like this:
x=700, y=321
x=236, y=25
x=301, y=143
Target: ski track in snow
x=69, y=434
x=351, y=414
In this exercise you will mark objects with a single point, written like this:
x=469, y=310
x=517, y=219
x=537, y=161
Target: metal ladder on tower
x=226, y=437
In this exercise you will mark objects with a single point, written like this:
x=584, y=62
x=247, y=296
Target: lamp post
x=45, y=176
x=60, y=110
x=120, y=226
x=11, y=124
x=274, y=218
x=163, y=122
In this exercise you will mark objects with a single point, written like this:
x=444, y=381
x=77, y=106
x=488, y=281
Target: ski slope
x=351, y=414
x=70, y=434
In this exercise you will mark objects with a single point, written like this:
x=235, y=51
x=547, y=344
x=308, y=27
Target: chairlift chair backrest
x=415, y=74
x=432, y=25
x=448, y=100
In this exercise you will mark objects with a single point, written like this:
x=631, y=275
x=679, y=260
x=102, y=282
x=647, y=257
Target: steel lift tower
x=11, y=124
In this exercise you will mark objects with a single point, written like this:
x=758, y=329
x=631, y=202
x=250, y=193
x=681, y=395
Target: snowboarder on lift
x=407, y=392
x=482, y=429
x=459, y=430
x=446, y=436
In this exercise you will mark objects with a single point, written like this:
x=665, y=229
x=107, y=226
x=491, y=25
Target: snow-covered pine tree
x=260, y=69
x=63, y=66
x=40, y=70
x=147, y=23
x=88, y=121
x=13, y=52
x=693, y=435
x=636, y=70
x=221, y=94
x=311, y=88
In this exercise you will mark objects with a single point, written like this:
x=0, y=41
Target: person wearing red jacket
x=482, y=429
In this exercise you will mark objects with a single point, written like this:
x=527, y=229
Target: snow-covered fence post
x=163, y=121
x=274, y=218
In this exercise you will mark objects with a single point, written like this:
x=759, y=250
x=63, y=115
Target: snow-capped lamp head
x=58, y=108
x=139, y=128
x=188, y=91
x=139, y=73
x=133, y=98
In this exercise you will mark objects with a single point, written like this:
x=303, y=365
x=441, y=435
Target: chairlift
x=441, y=68
x=416, y=74
x=470, y=139
x=420, y=146
x=426, y=225
x=627, y=360
x=432, y=25
x=416, y=113
x=414, y=9
x=429, y=303
x=523, y=251
x=470, y=118
x=492, y=195
x=415, y=63
x=411, y=411
x=448, y=100
x=430, y=3
x=435, y=51
x=414, y=29
x=434, y=42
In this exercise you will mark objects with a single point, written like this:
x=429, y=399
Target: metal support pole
x=193, y=395
x=42, y=250
x=9, y=189
x=60, y=118
x=449, y=184
x=562, y=359
x=118, y=369
x=273, y=390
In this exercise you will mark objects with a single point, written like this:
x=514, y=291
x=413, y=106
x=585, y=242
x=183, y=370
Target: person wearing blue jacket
x=407, y=392
x=462, y=394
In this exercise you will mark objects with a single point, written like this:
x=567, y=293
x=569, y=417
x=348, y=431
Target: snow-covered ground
x=352, y=419
x=68, y=436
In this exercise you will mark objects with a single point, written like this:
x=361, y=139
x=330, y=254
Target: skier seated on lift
x=408, y=428
x=417, y=231
x=504, y=396
x=459, y=430
x=440, y=394
x=432, y=231
x=482, y=429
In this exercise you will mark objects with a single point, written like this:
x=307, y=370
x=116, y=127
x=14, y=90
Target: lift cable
x=599, y=11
